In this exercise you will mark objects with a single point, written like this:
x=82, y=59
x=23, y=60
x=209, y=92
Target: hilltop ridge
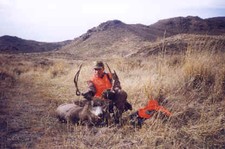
x=115, y=38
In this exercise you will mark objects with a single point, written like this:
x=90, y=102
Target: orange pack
x=152, y=105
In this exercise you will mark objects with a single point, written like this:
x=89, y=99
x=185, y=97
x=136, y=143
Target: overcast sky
x=58, y=20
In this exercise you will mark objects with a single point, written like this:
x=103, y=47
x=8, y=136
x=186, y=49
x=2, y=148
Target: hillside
x=109, y=38
x=115, y=38
x=10, y=44
x=191, y=25
x=181, y=43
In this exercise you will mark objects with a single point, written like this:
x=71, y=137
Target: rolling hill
x=115, y=38
x=11, y=44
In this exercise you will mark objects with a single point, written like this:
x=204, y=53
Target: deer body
x=76, y=114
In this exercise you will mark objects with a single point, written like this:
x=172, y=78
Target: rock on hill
x=115, y=38
x=9, y=44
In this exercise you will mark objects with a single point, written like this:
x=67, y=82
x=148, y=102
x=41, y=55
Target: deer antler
x=116, y=82
x=78, y=93
x=108, y=68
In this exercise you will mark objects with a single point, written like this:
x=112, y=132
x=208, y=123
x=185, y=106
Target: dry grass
x=192, y=86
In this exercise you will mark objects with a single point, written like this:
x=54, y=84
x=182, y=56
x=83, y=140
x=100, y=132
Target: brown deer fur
x=76, y=114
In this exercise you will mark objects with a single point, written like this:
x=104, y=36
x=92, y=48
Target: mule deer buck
x=79, y=115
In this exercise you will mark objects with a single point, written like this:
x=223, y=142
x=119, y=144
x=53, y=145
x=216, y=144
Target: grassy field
x=191, y=85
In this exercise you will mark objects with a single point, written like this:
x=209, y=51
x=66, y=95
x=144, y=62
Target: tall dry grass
x=192, y=88
x=191, y=85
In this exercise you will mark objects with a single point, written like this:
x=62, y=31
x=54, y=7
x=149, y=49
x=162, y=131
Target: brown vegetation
x=191, y=85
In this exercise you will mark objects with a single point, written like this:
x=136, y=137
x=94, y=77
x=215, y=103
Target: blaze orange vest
x=101, y=84
x=152, y=105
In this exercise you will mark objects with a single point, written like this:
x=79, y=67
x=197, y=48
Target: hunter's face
x=99, y=72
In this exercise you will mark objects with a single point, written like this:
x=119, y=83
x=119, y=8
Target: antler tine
x=116, y=83
x=115, y=72
x=115, y=75
x=115, y=79
x=108, y=68
x=78, y=93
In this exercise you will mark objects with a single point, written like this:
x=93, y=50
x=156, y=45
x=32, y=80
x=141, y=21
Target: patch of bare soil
x=21, y=116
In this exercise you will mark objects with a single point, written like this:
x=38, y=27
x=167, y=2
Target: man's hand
x=88, y=95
